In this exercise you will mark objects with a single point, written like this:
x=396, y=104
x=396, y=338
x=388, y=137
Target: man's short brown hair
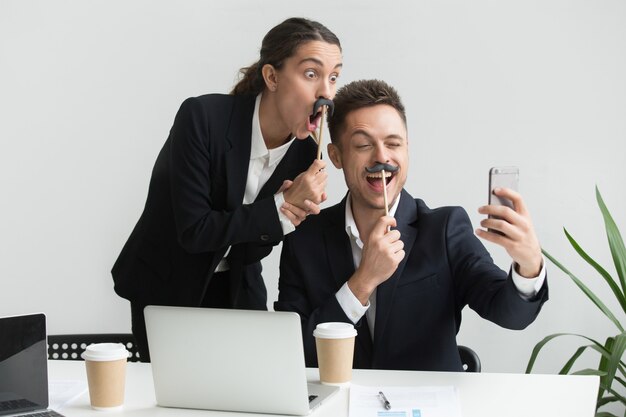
x=359, y=94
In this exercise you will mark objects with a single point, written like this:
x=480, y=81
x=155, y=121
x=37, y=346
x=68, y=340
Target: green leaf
x=607, y=277
x=538, y=347
x=620, y=380
x=617, y=351
x=615, y=394
x=614, y=397
x=568, y=365
x=606, y=400
x=601, y=349
x=533, y=357
x=586, y=291
x=589, y=371
x=616, y=243
x=605, y=414
x=604, y=364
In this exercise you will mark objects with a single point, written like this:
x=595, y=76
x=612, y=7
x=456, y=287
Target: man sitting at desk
x=403, y=288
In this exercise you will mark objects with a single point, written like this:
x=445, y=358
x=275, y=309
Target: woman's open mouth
x=314, y=121
x=318, y=111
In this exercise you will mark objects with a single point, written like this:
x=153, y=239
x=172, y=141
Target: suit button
x=265, y=238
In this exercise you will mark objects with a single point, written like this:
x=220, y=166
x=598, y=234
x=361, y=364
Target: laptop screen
x=23, y=364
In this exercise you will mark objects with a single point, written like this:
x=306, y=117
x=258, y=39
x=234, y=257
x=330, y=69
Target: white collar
x=351, y=228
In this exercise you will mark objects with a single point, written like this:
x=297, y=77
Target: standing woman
x=236, y=174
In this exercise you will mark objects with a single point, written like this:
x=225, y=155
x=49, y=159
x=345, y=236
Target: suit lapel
x=406, y=217
x=238, y=156
x=337, y=243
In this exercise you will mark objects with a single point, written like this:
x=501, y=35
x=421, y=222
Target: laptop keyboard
x=47, y=413
x=23, y=403
x=312, y=397
x=16, y=405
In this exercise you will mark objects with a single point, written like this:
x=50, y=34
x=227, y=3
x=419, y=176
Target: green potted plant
x=611, y=368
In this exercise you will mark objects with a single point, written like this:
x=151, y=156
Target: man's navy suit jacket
x=418, y=309
x=194, y=210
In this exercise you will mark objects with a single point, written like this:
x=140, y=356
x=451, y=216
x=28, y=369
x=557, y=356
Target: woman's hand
x=294, y=213
x=308, y=189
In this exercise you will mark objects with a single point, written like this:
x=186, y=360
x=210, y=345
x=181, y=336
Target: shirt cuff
x=350, y=304
x=528, y=287
x=285, y=223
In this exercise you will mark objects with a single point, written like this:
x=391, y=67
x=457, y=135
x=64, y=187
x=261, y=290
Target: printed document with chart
x=435, y=401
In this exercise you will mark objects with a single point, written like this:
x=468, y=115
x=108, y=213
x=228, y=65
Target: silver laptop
x=24, y=366
x=230, y=360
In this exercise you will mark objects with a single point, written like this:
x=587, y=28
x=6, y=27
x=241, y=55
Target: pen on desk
x=384, y=400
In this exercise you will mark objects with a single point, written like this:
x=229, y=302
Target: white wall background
x=89, y=89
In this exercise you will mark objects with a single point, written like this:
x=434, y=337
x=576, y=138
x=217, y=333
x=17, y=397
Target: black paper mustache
x=380, y=167
x=330, y=106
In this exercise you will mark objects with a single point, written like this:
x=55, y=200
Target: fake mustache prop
x=326, y=105
x=323, y=102
x=382, y=168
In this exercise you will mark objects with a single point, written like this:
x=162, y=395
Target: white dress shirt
x=263, y=163
x=527, y=287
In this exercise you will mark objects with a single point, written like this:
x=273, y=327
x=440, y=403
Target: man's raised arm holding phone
x=509, y=225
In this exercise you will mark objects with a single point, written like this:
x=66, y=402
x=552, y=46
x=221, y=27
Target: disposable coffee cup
x=335, y=349
x=106, y=374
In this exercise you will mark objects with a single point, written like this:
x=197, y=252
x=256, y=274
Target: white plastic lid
x=334, y=330
x=101, y=352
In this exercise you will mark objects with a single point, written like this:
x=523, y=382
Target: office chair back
x=469, y=359
x=70, y=346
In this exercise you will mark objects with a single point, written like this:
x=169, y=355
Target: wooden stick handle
x=319, y=137
x=385, y=193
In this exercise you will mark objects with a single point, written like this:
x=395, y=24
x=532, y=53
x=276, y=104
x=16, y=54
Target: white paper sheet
x=435, y=401
x=62, y=392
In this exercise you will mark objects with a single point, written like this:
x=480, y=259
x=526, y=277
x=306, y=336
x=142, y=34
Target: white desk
x=481, y=395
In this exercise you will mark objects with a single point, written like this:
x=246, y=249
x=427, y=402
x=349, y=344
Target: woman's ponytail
x=251, y=81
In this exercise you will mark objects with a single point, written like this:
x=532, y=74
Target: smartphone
x=500, y=177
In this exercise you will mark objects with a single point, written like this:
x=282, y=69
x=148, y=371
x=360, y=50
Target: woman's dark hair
x=280, y=43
